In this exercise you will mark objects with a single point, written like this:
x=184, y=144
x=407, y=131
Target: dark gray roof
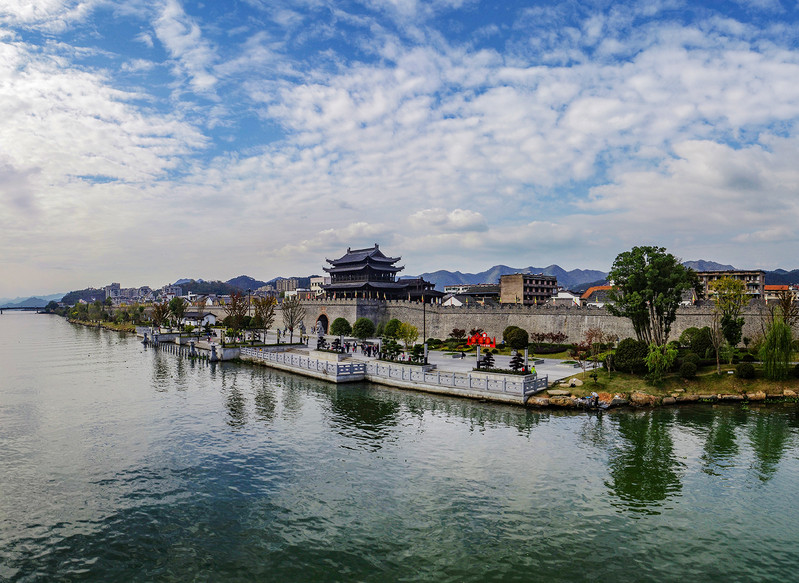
x=361, y=255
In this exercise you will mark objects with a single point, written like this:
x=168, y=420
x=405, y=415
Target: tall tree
x=293, y=314
x=159, y=314
x=199, y=306
x=776, y=350
x=729, y=298
x=264, y=313
x=177, y=307
x=340, y=327
x=363, y=328
x=237, y=310
x=409, y=334
x=648, y=284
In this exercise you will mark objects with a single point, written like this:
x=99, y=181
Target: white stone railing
x=522, y=385
x=495, y=383
x=306, y=362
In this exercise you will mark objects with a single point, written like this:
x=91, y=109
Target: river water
x=122, y=463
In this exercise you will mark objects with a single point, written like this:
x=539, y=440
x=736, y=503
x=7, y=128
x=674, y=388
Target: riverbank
x=569, y=391
x=124, y=327
x=707, y=387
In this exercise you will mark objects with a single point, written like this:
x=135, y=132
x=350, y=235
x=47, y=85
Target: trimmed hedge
x=745, y=370
x=688, y=370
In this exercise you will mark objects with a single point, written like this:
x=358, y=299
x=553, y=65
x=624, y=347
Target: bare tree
x=264, y=313
x=293, y=314
x=199, y=305
x=716, y=338
x=237, y=309
x=159, y=314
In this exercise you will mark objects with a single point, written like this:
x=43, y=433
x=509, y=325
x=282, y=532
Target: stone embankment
x=562, y=398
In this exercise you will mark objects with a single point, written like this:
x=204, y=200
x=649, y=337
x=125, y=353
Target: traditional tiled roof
x=777, y=288
x=594, y=289
x=361, y=255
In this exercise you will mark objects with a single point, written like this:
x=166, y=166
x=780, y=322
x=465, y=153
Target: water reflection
x=359, y=415
x=769, y=434
x=721, y=444
x=643, y=467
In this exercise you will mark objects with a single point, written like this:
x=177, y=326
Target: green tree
x=630, y=356
x=507, y=331
x=363, y=328
x=517, y=338
x=659, y=360
x=293, y=314
x=776, y=350
x=391, y=329
x=648, y=284
x=409, y=334
x=340, y=327
x=729, y=298
x=177, y=307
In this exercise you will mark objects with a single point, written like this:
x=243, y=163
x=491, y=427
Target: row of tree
x=648, y=287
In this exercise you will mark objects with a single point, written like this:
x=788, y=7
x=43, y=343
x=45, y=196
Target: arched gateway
x=322, y=319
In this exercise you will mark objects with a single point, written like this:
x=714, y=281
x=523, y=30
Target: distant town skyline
x=147, y=141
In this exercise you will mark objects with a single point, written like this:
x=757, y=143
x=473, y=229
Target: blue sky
x=144, y=141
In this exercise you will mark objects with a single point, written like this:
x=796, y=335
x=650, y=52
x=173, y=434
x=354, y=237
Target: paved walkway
x=551, y=367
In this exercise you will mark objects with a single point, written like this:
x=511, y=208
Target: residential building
x=772, y=293
x=171, y=291
x=112, y=291
x=755, y=281
x=596, y=296
x=318, y=283
x=565, y=298
x=527, y=289
x=287, y=284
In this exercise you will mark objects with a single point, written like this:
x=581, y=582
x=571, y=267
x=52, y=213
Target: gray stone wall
x=437, y=321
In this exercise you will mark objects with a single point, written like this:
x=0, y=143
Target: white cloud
x=49, y=15
x=182, y=37
x=456, y=220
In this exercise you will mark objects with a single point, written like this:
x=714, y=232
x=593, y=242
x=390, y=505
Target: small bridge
x=21, y=309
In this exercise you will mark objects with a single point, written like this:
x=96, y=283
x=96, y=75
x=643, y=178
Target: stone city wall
x=436, y=321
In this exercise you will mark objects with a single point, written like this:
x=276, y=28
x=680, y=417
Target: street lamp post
x=249, y=291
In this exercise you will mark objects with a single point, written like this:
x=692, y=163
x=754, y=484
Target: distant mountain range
x=567, y=279
x=30, y=302
x=577, y=280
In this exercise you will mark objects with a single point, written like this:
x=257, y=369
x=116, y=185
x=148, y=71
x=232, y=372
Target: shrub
x=434, y=343
x=688, y=370
x=391, y=329
x=363, y=328
x=340, y=327
x=748, y=357
x=692, y=358
x=701, y=342
x=507, y=331
x=688, y=335
x=517, y=338
x=630, y=356
x=745, y=370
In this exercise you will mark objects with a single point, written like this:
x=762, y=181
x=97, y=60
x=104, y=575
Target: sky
x=144, y=141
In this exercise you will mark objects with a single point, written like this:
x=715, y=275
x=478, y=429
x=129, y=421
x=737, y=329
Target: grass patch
x=706, y=382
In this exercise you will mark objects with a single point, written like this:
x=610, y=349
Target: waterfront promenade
x=444, y=373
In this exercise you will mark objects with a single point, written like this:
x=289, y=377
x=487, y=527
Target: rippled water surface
x=120, y=463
